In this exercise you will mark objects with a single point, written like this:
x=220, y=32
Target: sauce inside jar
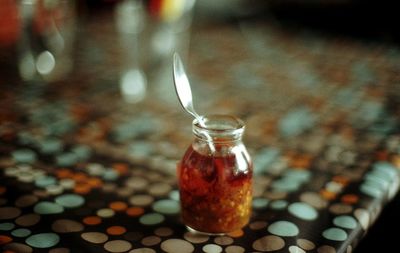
x=216, y=190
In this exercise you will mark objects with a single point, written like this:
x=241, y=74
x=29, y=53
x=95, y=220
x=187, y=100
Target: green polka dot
x=21, y=232
x=70, y=200
x=298, y=175
x=372, y=178
x=151, y=219
x=24, y=156
x=50, y=146
x=379, y=174
x=6, y=226
x=286, y=185
x=46, y=207
x=83, y=152
x=386, y=170
x=110, y=175
x=372, y=190
x=174, y=195
x=345, y=221
x=66, y=159
x=303, y=211
x=45, y=181
x=259, y=203
x=44, y=240
x=278, y=204
x=283, y=228
x=335, y=234
x=166, y=206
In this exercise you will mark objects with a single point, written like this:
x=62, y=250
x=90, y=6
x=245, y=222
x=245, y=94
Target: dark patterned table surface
x=82, y=170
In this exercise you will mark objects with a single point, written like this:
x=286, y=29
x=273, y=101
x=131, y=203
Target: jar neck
x=221, y=129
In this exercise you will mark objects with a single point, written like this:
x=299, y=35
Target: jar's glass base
x=191, y=230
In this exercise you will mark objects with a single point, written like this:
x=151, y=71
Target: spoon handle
x=184, y=92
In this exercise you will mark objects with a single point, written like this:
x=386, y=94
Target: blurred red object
x=9, y=22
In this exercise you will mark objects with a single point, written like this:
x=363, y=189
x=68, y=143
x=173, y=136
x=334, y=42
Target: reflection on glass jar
x=216, y=183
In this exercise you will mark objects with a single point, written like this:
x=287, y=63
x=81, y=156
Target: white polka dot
x=326, y=249
x=212, y=248
x=151, y=240
x=234, y=249
x=295, y=249
x=67, y=183
x=137, y=183
x=223, y=240
x=269, y=243
x=177, y=245
x=118, y=246
x=305, y=244
x=159, y=189
x=94, y=237
x=105, y=212
x=141, y=200
x=363, y=217
x=142, y=250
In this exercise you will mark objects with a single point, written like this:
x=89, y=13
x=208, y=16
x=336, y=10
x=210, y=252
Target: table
x=81, y=170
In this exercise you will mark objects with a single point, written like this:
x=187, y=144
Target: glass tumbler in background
x=215, y=184
x=45, y=45
x=149, y=32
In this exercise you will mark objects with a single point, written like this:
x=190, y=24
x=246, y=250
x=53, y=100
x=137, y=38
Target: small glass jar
x=215, y=177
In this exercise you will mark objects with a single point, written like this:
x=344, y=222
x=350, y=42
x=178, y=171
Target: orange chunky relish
x=216, y=189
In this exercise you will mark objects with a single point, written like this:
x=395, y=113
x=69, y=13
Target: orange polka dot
x=118, y=206
x=341, y=180
x=64, y=173
x=5, y=239
x=301, y=161
x=2, y=190
x=95, y=182
x=327, y=194
x=82, y=188
x=122, y=168
x=92, y=220
x=80, y=177
x=116, y=230
x=350, y=199
x=134, y=211
x=236, y=233
x=382, y=155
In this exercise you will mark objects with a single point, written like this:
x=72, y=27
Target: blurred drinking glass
x=46, y=40
x=149, y=32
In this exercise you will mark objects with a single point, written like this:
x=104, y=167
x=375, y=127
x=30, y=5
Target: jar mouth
x=219, y=126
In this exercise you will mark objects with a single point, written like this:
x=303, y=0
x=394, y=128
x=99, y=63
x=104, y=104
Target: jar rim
x=219, y=125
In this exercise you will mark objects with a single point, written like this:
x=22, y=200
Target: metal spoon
x=182, y=88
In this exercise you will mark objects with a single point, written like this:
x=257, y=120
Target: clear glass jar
x=215, y=177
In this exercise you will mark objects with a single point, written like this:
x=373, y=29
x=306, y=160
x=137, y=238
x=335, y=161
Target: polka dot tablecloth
x=81, y=170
